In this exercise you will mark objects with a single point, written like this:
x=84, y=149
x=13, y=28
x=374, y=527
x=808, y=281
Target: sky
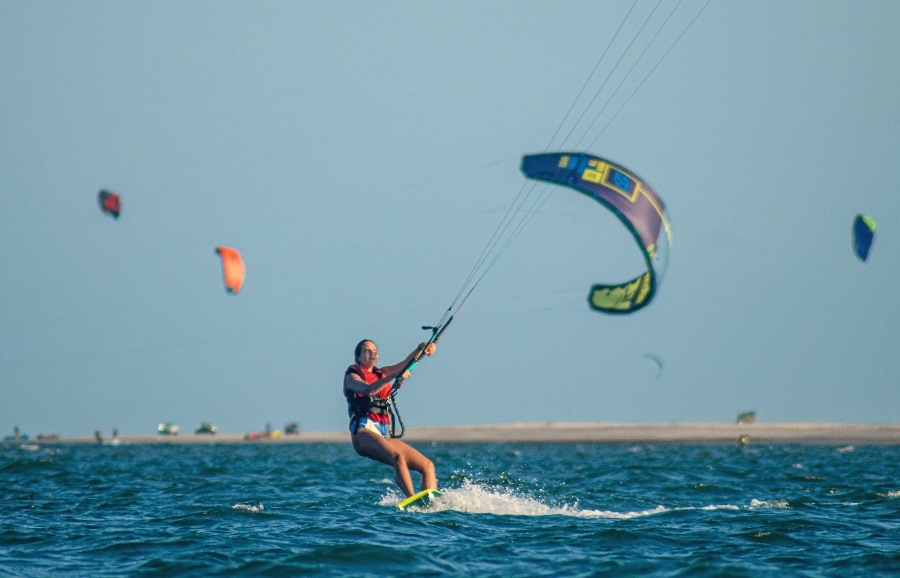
x=360, y=156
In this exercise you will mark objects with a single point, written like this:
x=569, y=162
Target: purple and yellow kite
x=632, y=200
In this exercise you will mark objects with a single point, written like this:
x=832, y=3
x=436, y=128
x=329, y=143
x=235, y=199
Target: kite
x=110, y=203
x=636, y=205
x=232, y=268
x=658, y=361
x=863, y=235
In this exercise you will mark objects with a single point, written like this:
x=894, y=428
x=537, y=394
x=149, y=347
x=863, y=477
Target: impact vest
x=375, y=406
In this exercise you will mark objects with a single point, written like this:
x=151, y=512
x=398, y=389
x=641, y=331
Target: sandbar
x=556, y=432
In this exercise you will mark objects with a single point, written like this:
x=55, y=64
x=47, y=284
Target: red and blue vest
x=371, y=406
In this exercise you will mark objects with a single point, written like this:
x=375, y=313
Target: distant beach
x=600, y=432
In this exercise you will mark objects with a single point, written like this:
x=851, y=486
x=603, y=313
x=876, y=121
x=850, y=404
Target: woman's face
x=368, y=355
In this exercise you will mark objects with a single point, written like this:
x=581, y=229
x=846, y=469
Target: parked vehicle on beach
x=255, y=435
x=206, y=428
x=167, y=429
x=747, y=417
x=291, y=429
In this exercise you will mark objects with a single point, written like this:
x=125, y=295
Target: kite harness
x=360, y=405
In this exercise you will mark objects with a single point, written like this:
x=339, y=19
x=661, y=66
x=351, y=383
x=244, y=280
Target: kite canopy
x=863, y=235
x=232, y=268
x=632, y=200
x=657, y=360
x=110, y=203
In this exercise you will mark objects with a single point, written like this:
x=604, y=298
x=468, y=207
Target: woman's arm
x=355, y=383
x=429, y=350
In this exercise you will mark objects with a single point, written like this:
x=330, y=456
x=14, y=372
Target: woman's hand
x=429, y=349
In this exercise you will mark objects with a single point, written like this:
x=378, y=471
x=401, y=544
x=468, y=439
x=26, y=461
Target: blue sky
x=361, y=155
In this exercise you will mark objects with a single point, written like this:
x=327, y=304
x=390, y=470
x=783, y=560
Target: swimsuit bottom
x=371, y=425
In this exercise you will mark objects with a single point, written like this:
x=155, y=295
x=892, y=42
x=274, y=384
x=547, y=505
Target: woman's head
x=366, y=352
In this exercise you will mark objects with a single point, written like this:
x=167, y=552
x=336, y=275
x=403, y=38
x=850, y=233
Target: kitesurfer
x=368, y=389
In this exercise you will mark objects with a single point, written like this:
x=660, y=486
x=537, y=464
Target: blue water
x=508, y=510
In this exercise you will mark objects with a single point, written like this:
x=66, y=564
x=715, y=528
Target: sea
x=643, y=509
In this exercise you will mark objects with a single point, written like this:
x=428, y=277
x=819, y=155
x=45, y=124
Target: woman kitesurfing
x=369, y=390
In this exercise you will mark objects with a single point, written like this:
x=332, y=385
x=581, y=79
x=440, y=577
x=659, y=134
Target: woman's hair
x=358, y=349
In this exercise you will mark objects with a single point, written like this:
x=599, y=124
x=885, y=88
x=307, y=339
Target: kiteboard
x=420, y=500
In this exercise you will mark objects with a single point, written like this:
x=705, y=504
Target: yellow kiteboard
x=420, y=500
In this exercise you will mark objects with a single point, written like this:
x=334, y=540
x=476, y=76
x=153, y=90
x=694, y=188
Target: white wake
x=475, y=498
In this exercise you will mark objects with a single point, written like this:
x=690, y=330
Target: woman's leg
x=417, y=462
x=373, y=446
x=398, y=455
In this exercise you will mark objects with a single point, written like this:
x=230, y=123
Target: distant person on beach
x=368, y=389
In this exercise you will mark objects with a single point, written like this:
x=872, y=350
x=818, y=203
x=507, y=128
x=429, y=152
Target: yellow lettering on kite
x=592, y=176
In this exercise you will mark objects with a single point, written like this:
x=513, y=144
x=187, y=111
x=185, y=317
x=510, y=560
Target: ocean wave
x=714, y=507
x=249, y=507
x=778, y=504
